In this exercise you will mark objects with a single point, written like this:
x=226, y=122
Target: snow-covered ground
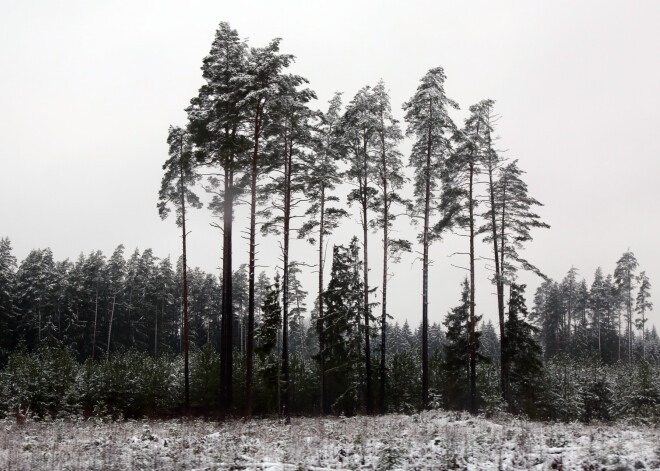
x=427, y=441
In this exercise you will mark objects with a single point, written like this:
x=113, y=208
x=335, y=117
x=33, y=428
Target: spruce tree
x=524, y=354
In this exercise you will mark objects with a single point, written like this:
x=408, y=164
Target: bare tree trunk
x=386, y=222
x=320, y=320
x=367, y=333
x=112, y=315
x=473, y=338
x=425, y=269
x=96, y=315
x=285, y=282
x=184, y=270
x=227, y=320
x=251, y=265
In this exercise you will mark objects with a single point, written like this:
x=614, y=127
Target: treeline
x=606, y=319
x=251, y=128
x=136, y=303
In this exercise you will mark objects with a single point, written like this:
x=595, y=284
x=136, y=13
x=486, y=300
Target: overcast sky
x=88, y=90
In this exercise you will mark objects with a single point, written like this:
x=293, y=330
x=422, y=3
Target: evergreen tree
x=643, y=304
x=115, y=273
x=290, y=133
x=180, y=176
x=267, y=339
x=429, y=122
x=321, y=178
x=524, y=354
x=341, y=324
x=388, y=180
x=456, y=363
x=624, y=277
x=7, y=293
x=358, y=129
x=216, y=117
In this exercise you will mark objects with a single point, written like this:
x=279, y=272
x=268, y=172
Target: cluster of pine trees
x=252, y=129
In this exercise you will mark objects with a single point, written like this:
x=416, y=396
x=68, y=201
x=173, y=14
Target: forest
x=132, y=334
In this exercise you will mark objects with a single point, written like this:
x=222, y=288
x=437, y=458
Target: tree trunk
x=184, y=270
x=112, y=315
x=285, y=282
x=96, y=315
x=251, y=265
x=367, y=333
x=473, y=338
x=499, y=282
x=386, y=221
x=425, y=268
x=227, y=320
x=320, y=320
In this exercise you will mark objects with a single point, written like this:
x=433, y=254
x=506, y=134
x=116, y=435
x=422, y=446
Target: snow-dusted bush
x=40, y=383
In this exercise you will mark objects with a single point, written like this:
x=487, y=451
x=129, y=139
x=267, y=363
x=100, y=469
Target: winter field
x=427, y=441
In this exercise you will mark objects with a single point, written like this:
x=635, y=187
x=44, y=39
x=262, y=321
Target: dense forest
x=137, y=334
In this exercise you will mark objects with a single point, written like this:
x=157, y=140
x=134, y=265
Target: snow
x=427, y=441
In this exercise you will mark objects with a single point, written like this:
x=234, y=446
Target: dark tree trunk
x=227, y=319
x=184, y=270
x=320, y=320
x=285, y=283
x=425, y=269
x=499, y=283
x=112, y=315
x=251, y=267
x=367, y=333
x=383, y=333
x=473, y=338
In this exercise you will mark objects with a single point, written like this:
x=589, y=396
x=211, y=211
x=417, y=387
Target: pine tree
x=262, y=83
x=180, y=176
x=357, y=132
x=216, y=117
x=389, y=180
x=290, y=135
x=643, y=304
x=624, y=277
x=321, y=178
x=115, y=273
x=429, y=122
x=459, y=193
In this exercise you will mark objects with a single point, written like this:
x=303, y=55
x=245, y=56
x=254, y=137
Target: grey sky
x=90, y=88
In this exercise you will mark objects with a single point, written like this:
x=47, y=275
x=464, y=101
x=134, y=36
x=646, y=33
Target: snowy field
x=428, y=441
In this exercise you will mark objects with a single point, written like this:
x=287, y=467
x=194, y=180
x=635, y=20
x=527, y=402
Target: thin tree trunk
x=385, y=254
x=425, y=268
x=285, y=282
x=184, y=270
x=367, y=333
x=473, y=338
x=112, y=315
x=96, y=315
x=320, y=320
x=251, y=265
